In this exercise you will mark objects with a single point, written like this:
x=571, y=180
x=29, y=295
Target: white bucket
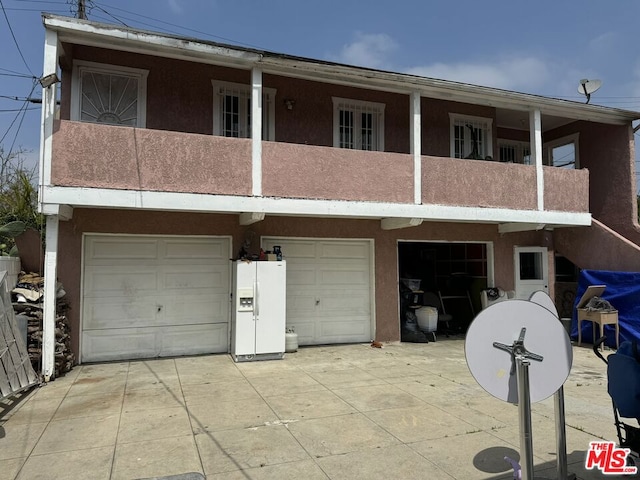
x=427, y=319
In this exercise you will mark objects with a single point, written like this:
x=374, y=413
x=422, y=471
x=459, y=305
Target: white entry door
x=531, y=271
x=328, y=289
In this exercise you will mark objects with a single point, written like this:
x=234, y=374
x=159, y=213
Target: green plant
x=8, y=232
x=18, y=200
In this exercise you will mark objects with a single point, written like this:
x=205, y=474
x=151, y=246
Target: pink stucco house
x=166, y=155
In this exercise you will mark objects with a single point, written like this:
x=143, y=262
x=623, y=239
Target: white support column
x=256, y=131
x=50, y=66
x=415, y=130
x=535, y=129
x=49, y=315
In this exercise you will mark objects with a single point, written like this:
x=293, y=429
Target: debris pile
x=28, y=297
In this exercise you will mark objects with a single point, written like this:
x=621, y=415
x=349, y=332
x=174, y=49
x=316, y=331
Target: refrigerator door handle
x=256, y=299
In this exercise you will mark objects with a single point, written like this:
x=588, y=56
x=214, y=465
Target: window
x=232, y=110
x=563, y=152
x=108, y=94
x=471, y=137
x=358, y=125
x=513, y=151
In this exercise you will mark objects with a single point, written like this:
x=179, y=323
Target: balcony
x=121, y=158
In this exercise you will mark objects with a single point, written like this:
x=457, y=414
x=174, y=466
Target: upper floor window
x=562, y=152
x=513, y=151
x=108, y=94
x=358, y=125
x=232, y=110
x=471, y=137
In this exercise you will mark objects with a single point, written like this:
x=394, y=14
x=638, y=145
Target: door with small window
x=531, y=271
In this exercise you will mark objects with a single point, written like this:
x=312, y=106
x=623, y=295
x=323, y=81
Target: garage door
x=147, y=296
x=328, y=289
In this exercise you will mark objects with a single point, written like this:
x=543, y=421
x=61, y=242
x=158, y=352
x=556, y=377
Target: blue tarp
x=623, y=292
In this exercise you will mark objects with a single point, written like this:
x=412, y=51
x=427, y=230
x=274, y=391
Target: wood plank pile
x=28, y=304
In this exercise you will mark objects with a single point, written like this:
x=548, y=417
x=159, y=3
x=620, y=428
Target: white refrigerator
x=259, y=310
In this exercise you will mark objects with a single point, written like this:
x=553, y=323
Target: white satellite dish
x=587, y=87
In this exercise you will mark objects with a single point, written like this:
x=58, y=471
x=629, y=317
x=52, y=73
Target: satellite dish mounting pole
x=584, y=89
x=524, y=414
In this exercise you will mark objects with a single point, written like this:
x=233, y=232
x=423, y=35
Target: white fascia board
x=189, y=202
x=103, y=36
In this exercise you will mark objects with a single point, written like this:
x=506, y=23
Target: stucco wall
x=598, y=248
x=566, y=190
x=385, y=254
x=305, y=171
x=451, y=181
x=608, y=152
x=104, y=156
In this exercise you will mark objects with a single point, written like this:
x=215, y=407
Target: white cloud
x=175, y=6
x=604, y=44
x=367, y=50
x=514, y=73
x=523, y=72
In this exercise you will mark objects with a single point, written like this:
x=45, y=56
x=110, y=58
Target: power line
x=24, y=106
x=14, y=37
x=23, y=99
x=170, y=24
x=40, y=1
x=17, y=109
x=15, y=75
x=11, y=71
x=112, y=16
x=10, y=9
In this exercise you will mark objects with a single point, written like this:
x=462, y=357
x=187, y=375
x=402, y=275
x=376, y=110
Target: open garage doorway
x=446, y=275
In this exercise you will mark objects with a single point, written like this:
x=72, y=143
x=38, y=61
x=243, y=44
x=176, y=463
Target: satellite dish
x=544, y=336
x=587, y=87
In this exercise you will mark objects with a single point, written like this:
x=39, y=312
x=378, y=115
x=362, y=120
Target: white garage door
x=328, y=289
x=148, y=296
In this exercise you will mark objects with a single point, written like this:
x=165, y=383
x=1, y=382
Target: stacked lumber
x=28, y=297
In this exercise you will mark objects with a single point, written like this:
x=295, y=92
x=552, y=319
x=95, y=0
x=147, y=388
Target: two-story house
x=167, y=156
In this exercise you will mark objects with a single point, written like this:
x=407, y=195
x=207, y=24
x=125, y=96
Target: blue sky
x=543, y=47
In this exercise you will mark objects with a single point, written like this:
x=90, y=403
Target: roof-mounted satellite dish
x=587, y=87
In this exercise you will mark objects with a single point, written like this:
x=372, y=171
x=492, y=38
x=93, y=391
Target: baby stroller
x=623, y=374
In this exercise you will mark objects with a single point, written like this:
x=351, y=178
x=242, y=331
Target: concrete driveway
x=406, y=411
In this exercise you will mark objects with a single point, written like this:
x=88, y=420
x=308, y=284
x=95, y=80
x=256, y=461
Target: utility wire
x=11, y=71
x=24, y=112
x=17, y=109
x=23, y=99
x=112, y=16
x=170, y=24
x=40, y=1
x=15, y=75
x=14, y=38
x=24, y=106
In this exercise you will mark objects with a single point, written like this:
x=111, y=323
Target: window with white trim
x=358, y=125
x=471, y=137
x=563, y=152
x=108, y=94
x=232, y=110
x=513, y=151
